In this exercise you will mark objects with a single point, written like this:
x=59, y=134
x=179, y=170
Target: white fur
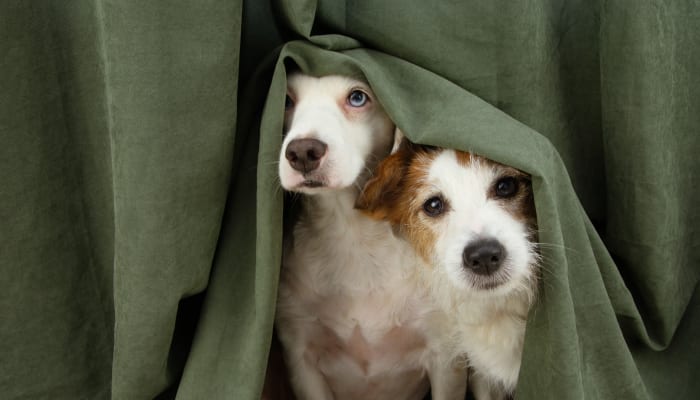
x=355, y=137
x=354, y=311
x=491, y=321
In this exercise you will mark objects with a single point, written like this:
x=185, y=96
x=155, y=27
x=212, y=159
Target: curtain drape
x=141, y=217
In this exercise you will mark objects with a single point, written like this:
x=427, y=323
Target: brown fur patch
x=464, y=158
x=390, y=195
x=381, y=193
x=413, y=224
x=522, y=205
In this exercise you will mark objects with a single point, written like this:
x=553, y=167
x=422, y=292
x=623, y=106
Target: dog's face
x=471, y=217
x=335, y=130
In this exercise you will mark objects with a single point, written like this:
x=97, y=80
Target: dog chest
x=358, y=302
x=368, y=352
x=369, y=363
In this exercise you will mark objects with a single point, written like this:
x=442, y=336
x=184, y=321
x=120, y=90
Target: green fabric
x=141, y=217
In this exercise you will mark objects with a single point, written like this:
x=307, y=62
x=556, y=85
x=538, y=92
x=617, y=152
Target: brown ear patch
x=417, y=227
x=382, y=191
x=380, y=198
x=394, y=194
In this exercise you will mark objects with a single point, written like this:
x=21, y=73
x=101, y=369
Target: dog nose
x=305, y=155
x=484, y=256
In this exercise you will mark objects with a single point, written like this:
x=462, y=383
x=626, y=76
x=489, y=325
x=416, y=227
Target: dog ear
x=399, y=138
x=407, y=147
x=381, y=193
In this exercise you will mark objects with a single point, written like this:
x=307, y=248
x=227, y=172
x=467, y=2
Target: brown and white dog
x=354, y=312
x=473, y=222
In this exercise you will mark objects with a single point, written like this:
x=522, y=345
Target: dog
x=354, y=314
x=473, y=222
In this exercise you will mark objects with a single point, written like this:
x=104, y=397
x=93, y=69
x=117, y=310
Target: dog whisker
x=557, y=246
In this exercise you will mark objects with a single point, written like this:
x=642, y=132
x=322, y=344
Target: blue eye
x=357, y=98
x=288, y=103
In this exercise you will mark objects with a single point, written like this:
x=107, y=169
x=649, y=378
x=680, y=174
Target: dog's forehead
x=457, y=173
x=330, y=85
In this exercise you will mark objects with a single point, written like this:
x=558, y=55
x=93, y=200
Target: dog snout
x=484, y=256
x=304, y=155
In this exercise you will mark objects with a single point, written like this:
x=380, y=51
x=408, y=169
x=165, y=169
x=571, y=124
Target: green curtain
x=141, y=217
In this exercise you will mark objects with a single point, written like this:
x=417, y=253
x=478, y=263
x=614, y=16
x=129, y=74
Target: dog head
x=469, y=216
x=335, y=130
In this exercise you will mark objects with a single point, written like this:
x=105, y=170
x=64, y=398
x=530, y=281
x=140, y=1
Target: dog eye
x=434, y=206
x=357, y=98
x=506, y=187
x=288, y=102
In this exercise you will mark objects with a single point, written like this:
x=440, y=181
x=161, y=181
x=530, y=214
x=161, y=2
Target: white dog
x=354, y=314
x=473, y=221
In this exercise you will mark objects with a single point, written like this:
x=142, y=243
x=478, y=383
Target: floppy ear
x=382, y=192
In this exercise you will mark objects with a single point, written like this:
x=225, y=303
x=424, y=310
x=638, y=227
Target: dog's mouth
x=488, y=284
x=311, y=183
